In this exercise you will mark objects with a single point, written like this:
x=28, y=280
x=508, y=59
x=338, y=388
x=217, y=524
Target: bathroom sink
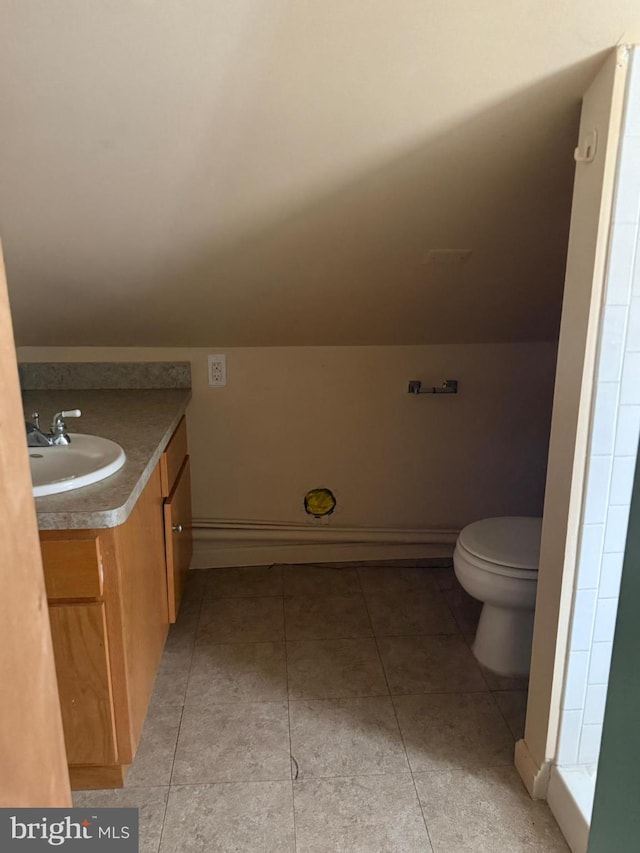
x=86, y=460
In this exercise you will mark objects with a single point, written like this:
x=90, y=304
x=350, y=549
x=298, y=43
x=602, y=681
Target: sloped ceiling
x=273, y=172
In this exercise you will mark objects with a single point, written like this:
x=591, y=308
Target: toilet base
x=503, y=640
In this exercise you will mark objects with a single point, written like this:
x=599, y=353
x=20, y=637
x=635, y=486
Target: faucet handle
x=35, y=419
x=60, y=416
x=59, y=428
x=58, y=424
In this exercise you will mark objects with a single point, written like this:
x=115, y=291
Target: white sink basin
x=88, y=459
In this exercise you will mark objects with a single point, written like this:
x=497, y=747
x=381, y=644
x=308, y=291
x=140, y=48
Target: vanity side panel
x=140, y=555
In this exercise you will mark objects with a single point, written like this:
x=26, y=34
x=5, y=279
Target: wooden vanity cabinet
x=107, y=595
x=112, y=593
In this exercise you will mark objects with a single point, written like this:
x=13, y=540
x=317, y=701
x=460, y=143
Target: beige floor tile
x=193, y=590
x=151, y=803
x=241, y=620
x=320, y=580
x=237, y=672
x=246, y=581
x=438, y=664
x=419, y=612
x=333, y=669
x=513, y=704
x=239, y=817
x=233, y=743
x=318, y=617
x=346, y=737
x=444, y=577
x=171, y=680
x=182, y=633
x=154, y=759
x=449, y=731
x=504, y=682
x=394, y=578
x=465, y=609
x=361, y=814
x=484, y=812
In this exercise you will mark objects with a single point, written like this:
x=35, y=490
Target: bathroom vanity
x=115, y=556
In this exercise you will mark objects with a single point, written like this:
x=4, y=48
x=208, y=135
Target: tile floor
x=330, y=708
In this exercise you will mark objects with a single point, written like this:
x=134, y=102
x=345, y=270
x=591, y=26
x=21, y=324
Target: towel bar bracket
x=449, y=386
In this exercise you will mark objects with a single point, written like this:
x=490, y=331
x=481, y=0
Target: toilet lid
x=509, y=541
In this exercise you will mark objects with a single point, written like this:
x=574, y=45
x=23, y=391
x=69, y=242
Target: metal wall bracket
x=449, y=386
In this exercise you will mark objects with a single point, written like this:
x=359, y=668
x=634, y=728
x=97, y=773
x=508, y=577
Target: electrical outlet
x=218, y=370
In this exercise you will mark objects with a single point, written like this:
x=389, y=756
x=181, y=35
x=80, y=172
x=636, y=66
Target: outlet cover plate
x=217, y=370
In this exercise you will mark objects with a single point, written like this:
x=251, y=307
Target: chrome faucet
x=58, y=431
x=57, y=435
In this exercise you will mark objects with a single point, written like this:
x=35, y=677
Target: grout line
x=501, y=712
x=405, y=772
x=291, y=757
x=404, y=745
x=184, y=698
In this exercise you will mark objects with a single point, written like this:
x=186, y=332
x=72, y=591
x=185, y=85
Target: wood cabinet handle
x=177, y=528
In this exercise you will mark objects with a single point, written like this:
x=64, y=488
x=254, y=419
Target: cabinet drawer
x=72, y=568
x=173, y=458
x=178, y=538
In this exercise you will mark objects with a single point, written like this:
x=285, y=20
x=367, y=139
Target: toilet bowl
x=496, y=562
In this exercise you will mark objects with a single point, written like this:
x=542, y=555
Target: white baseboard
x=570, y=798
x=217, y=545
x=535, y=776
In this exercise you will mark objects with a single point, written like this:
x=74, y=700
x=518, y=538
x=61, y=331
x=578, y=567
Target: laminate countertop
x=140, y=421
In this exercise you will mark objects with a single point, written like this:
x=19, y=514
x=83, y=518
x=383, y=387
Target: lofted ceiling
x=277, y=172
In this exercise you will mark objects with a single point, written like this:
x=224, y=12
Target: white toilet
x=496, y=561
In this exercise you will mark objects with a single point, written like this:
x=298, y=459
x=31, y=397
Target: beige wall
x=291, y=419
x=261, y=172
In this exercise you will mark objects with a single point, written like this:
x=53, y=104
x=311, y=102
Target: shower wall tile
x=627, y=431
x=590, y=738
x=605, y=623
x=590, y=557
x=622, y=480
x=633, y=333
x=600, y=663
x=598, y=478
x=621, y=259
x=584, y=614
x=575, y=688
x=604, y=418
x=594, y=704
x=615, y=531
x=610, y=575
x=570, y=728
x=630, y=390
x=612, y=343
x=632, y=117
x=627, y=200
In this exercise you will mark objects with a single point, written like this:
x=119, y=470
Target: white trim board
x=217, y=545
x=535, y=777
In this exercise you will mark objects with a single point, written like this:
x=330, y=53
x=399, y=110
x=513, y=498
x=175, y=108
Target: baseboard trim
x=566, y=788
x=217, y=545
x=535, y=776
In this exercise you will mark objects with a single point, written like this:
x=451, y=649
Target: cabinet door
x=178, y=539
x=84, y=682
